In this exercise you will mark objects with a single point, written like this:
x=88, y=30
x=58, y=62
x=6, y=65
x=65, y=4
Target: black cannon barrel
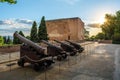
x=30, y=43
x=77, y=46
x=49, y=44
x=68, y=41
x=45, y=42
x=63, y=43
x=58, y=41
x=73, y=43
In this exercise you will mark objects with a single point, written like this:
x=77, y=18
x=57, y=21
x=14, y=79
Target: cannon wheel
x=47, y=63
x=36, y=67
x=72, y=54
x=59, y=57
x=64, y=56
x=81, y=50
x=21, y=62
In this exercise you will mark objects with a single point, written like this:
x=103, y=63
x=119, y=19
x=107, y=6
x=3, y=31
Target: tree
x=116, y=38
x=33, y=34
x=28, y=37
x=21, y=33
x=109, y=26
x=8, y=41
x=92, y=38
x=5, y=40
x=42, y=31
x=1, y=41
x=100, y=36
x=117, y=22
x=86, y=34
x=15, y=39
x=112, y=25
x=9, y=1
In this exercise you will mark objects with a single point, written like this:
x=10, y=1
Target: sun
x=101, y=20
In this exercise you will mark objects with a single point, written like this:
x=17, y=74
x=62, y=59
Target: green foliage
x=92, y=38
x=33, y=34
x=8, y=40
x=1, y=41
x=28, y=37
x=86, y=34
x=15, y=39
x=116, y=38
x=100, y=36
x=42, y=31
x=112, y=25
x=9, y=1
x=109, y=26
x=21, y=33
x=5, y=40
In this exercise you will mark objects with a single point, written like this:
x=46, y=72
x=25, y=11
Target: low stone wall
x=105, y=41
x=9, y=49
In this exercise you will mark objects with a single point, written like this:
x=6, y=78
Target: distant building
x=67, y=28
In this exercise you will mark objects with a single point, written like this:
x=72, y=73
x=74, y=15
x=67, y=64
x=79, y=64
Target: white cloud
x=9, y=26
x=94, y=25
x=25, y=21
x=9, y=22
x=71, y=2
x=15, y=23
x=6, y=22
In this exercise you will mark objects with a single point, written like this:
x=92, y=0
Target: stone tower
x=67, y=28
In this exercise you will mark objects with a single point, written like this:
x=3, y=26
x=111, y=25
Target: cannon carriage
x=68, y=48
x=33, y=53
x=78, y=47
x=54, y=50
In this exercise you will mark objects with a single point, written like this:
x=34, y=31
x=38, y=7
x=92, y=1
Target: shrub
x=116, y=38
x=1, y=41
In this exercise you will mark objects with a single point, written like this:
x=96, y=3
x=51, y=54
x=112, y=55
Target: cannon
x=78, y=47
x=67, y=47
x=32, y=53
x=54, y=50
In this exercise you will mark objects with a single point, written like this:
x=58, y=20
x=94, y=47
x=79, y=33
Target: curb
x=117, y=65
x=8, y=61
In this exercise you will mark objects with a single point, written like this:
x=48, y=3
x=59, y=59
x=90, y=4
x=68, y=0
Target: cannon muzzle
x=30, y=43
x=58, y=41
x=51, y=45
x=77, y=46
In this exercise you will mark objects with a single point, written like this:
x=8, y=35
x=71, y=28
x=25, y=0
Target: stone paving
x=9, y=56
x=98, y=63
x=117, y=65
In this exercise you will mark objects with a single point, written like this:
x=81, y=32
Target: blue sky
x=21, y=15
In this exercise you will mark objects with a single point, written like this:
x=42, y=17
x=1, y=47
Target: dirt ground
x=96, y=63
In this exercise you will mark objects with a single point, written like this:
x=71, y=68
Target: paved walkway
x=117, y=65
x=9, y=56
x=100, y=65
